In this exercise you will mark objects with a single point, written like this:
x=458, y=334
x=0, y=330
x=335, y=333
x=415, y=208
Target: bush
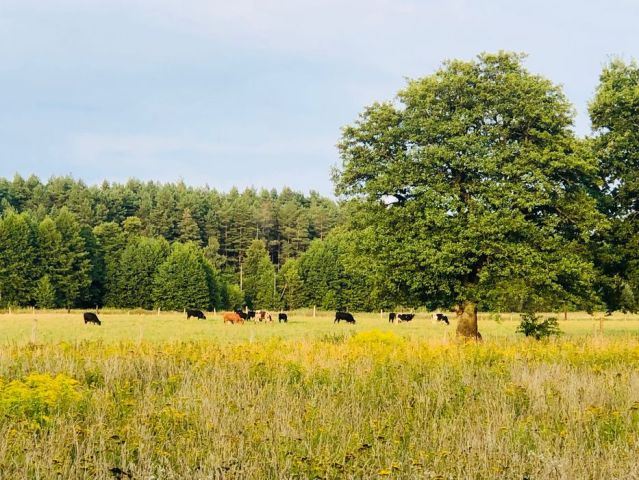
x=532, y=326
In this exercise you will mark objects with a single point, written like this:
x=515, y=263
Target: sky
x=254, y=92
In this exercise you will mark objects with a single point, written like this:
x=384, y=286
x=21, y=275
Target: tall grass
x=367, y=404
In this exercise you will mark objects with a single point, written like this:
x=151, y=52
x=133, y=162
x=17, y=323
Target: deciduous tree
x=615, y=119
x=473, y=182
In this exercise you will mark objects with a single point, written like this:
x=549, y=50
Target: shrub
x=533, y=326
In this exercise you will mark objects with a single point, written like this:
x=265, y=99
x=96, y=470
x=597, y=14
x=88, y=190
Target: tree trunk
x=467, y=321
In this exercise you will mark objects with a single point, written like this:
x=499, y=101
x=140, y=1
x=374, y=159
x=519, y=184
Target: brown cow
x=232, y=317
x=264, y=316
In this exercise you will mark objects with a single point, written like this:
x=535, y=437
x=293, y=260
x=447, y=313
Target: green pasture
x=121, y=326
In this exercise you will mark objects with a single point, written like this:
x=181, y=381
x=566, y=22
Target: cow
x=391, y=317
x=405, y=317
x=282, y=317
x=232, y=317
x=250, y=314
x=90, y=317
x=242, y=315
x=195, y=313
x=440, y=317
x=264, y=316
x=347, y=317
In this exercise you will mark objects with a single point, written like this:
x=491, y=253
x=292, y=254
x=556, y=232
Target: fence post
x=313, y=311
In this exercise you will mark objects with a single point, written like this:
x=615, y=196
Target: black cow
x=440, y=317
x=250, y=314
x=347, y=317
x=282, y=317
x=406, y=317
x=90, y=317
x=243, y=316
x=195, y=313
x=391, y=316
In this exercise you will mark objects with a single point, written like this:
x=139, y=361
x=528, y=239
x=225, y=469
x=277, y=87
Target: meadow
x=150, y=396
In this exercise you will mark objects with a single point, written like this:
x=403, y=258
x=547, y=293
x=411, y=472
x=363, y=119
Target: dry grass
x=323, y=401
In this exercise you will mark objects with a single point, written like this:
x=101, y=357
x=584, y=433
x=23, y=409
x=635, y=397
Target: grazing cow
x=405, y=317
x=250, y=314
x=391, y=317
x=195, y=313
x=347, y=317
x=264, y=316
x=242, y=315
x=440, y=317
x=90, y=317
x=232, y=317
x=282, y=317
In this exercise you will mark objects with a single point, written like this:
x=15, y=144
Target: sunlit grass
x=166, y=398
x=46, y=327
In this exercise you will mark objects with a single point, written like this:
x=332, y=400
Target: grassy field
x=52, y=327
x=160, y=397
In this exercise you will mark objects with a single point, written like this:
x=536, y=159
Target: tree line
x=287, y=221
x=148, y=245
x=58, y=262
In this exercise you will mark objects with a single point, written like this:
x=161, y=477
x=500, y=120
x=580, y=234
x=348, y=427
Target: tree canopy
x=615, y=119
x=475, y=186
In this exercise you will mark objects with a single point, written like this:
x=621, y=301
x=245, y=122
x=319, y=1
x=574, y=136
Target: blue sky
x=253, y=93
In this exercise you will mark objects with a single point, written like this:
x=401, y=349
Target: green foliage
x=92, y=294
x=18, y=273
x=259, y=277
x=139, y=263
x=321, y=275
x=212, y=253
x=614, y=113
x=182, y=280
x=45, y=293
x=189, y=230
x=226, y=223
x=235, y=297
x=533, y=326
x=473, y=184
x=218, y=296
x=339, y=273
x=110, y=240
x=132, y=226
x=51, y=255
x=290, y=286
x=74, y=266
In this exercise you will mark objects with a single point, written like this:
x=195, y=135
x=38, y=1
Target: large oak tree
x=476, y=187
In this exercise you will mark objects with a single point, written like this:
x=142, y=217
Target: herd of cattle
x=239, y=316
x=392, y=317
